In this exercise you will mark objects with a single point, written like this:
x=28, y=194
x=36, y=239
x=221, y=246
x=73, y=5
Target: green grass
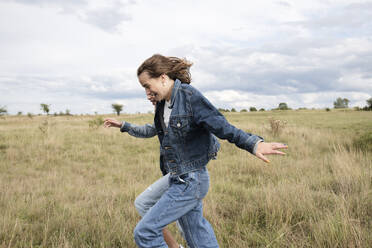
x=64, y=183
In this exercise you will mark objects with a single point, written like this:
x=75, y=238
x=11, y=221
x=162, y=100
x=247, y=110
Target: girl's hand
x=111, y=123
x=264, y=148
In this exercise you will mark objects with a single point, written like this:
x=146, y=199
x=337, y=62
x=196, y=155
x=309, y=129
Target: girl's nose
x=148, y=93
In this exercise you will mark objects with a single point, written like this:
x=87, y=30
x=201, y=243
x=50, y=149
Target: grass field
x=67, y=182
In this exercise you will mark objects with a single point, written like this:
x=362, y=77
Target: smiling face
x=157, y=89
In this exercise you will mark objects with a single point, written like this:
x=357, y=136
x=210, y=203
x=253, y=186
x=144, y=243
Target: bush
x=3, y=110
x=262, y=109
x=252, y=109
x=277, y=126
x=243, y=110
x=328, y=109
x=96, y=123
x=283, y=106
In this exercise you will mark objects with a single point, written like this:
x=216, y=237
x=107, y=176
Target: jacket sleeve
x=145, y=131
x=207, y=116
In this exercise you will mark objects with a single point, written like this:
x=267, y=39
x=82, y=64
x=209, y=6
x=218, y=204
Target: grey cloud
x=274, y=81
x=309, y=67
x=98, y=87
x=349, y=20
x=107, y=18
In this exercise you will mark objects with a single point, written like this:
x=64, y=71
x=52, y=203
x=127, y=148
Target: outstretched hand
x=111, y=123
x=264, y=148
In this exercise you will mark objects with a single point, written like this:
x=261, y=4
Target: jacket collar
x=177, y=84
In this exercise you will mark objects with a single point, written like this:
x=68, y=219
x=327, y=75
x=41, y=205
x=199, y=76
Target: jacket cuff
x=252, y=142
x=125, y=127
x=255, y=146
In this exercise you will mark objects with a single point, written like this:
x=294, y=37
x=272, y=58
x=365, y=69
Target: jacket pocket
x=180, y=126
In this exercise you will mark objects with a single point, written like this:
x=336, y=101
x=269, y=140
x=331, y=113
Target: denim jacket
x=188, y=143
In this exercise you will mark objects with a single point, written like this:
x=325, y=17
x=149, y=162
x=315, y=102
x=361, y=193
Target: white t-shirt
x=167, y=112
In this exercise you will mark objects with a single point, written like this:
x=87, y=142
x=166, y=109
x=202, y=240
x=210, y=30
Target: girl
x=152, y=194
x=184, y=123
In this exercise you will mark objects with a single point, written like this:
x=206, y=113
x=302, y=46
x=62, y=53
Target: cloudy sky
x=82, y=55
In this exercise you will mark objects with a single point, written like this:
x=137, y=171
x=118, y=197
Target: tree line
x=339, y=103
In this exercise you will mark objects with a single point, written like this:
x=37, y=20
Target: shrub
x=276, y=126
x=252, y=109
x=243, y=110
x=328, y=109
x=96, y=123
x=44, y=126
x=3, y=110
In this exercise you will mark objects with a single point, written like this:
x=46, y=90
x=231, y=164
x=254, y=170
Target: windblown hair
x=173, y=67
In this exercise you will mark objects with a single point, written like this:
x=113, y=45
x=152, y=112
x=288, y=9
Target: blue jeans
x=151, y=195
x=182, y=201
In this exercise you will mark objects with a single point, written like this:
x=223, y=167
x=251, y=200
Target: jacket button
x=178, y=124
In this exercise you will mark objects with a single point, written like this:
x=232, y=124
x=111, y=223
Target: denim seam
x=186, y=223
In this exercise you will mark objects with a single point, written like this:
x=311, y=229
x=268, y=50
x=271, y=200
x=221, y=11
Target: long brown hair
x=173, y=67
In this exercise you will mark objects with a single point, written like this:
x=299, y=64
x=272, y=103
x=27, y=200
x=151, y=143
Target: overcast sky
x=82, y=55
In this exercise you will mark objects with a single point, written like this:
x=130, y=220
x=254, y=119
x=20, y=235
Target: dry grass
x=64, y=183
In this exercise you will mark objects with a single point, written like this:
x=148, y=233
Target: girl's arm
x=206, y=115
x=145, y=131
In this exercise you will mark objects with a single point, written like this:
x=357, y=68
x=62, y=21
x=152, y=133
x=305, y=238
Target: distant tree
x=243, y=110
x=369, y=103
x=262, y=109
x=45, y=107
x=341, y=103
x=233, y=110
x=328, y=109
x=283, y=106
x=117, y=108
x=19, y=113
x=30, y=115
x=67, y=112
x=252, y=109
x=3, y=111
